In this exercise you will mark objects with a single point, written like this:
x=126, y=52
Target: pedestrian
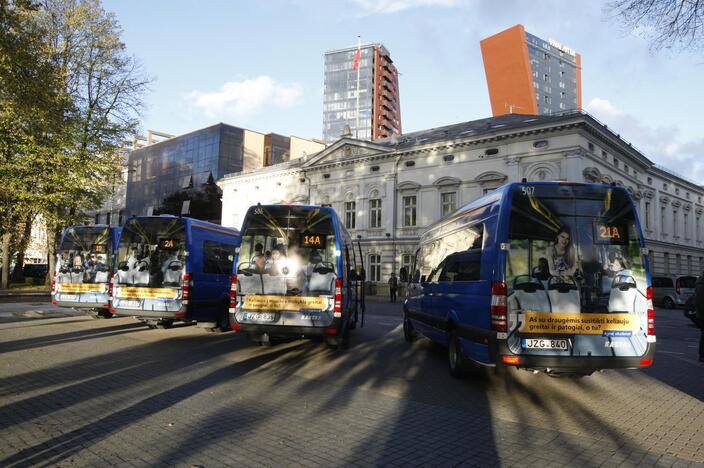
x=699, y=304
x=393, y=287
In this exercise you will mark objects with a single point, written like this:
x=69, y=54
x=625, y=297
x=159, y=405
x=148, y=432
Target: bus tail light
x=646, y=362
x=651, y=310
x=111, y=284
x=186, y=288
x=233, y=293
x=331, y=331
x=511, y=360
x=338, y=298
x=499, y=316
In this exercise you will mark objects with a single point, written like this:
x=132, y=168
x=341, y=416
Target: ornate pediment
x=676, y=203
x=591, y=174
x=343, y=150
x=664, y=199
x=490, y=177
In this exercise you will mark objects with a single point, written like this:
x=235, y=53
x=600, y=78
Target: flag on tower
x=357, y=57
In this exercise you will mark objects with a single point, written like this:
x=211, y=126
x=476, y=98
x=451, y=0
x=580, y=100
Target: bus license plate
x=545, y=343
x=69, y=297
x=259, y=316
x=130, y=304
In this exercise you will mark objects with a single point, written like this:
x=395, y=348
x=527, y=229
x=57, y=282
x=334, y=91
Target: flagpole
x=359, y=48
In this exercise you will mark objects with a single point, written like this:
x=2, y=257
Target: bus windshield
x=85, y=255
x=287, y=250
x=152, y=252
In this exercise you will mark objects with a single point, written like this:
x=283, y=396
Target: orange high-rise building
x=529, y=75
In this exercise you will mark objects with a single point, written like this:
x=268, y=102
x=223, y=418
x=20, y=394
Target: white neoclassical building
x=388, y=191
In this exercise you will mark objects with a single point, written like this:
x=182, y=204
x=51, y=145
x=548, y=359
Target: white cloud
x=242, y=98
x=394, y=6
x=662, y=145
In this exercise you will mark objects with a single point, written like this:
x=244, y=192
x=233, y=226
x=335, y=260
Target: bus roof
x=193, y=222
x=498, y=194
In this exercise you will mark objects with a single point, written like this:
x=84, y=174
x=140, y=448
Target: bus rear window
x=152, y=252
x=85, y=255
x=583, y=238
x=288, y=250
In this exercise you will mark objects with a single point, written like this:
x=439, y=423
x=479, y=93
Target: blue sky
x=259, y=65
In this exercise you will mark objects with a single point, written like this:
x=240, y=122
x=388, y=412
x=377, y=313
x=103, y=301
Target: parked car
x=690, y=310
x=673, y=291
x=35, y=270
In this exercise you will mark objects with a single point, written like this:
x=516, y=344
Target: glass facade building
x=529, y=75
x=173, y=171
x=554, y=70
x=379, y=103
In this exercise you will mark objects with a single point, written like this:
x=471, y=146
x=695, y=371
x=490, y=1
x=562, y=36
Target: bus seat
x=529, y=294
x=564, y=295
x=623, y=294
x=250, y=283
x=123, y=277
x=322, y=280
x=273, y=284
x=101, y=277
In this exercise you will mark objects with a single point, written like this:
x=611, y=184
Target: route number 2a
x=528, y=190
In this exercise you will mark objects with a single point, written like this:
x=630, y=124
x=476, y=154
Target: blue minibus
x=170, y=268
x=546, y=277
x=84, y=261
x=295, y=276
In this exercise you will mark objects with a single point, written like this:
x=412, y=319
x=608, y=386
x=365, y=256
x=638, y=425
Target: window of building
x=663, y=225
x=651, y=261
x=675, y=230
x=686, y=225
x=689, y=264
x=547, y=99
x=546, y=56
x=650, y=180
x=448, y=203
x=375, y=213
x=697, y=229
x=406, y=264
x=678, y=263
x=108, y=215
x=647, y=215
x=409, y=210
x=350, y=214
x=664, y=186
x=590, y=146
x=677, y=191
x=615, y=162
x=666, y=261
x=625, y=169
x=120, y=217
x=546, y=77
x=97, y=218
x=374, y=267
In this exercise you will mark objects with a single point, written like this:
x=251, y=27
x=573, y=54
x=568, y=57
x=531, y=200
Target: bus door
x=287, y=267
x=575, y=273
x=151, y=266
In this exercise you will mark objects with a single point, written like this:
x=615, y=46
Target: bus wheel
x=456, y=362
x=104, y=313
x=165, y=324
x=409, y=334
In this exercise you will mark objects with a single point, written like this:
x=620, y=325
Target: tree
x=33, y=110
x=668, y=23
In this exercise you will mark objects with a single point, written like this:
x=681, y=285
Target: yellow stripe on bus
x=577, y=323
x=79, y=288
x=133, y=292
x=256, y=302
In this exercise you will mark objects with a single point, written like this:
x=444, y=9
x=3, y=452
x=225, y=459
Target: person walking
x=393, y=287
x=699, y=304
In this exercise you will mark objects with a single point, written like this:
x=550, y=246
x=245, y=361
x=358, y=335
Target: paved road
x=82, y=391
